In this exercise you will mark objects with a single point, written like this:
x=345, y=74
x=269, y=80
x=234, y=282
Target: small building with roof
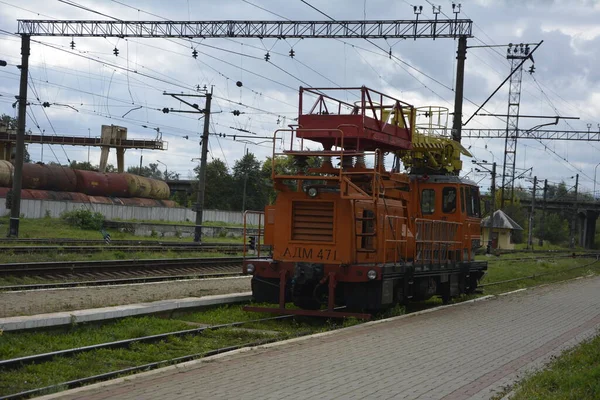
x=500, y=228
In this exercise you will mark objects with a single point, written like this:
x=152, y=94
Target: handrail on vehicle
x=399, y=229
x=435, y=239
x=343, y=176
x=261, y=216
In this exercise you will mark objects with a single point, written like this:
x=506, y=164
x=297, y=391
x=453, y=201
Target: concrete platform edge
x=98, y=314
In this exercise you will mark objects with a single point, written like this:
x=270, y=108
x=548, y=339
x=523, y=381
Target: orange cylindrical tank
x=159, y=190
x=62, y=179
x=118, y=185
x=138, y=185
x=91, y=183
x=35, y=176
x=6, y=173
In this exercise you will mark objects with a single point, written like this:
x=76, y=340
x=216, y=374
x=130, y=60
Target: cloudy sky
x=90, y=86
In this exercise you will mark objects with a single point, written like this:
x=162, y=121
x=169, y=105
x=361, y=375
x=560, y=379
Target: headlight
x=312, y=192
x=250, y=268
x=372, y=274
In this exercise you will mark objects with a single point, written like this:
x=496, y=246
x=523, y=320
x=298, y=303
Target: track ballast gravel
x=55, y=300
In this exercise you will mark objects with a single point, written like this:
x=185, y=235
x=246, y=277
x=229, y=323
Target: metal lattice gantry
x=587, y=136
x=401, y=29
x=516, y=55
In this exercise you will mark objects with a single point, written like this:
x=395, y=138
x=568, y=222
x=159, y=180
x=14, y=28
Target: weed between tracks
x=556, y=270
x=63, y=369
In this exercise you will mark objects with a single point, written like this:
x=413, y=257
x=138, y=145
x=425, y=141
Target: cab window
x=469, y=201
x=428, y=201
x=473, y=208
x=449, y=200
x=462, y=199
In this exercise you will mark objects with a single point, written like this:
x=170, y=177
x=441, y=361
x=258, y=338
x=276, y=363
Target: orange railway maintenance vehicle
x=349, y=233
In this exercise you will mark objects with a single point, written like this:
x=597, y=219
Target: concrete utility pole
x=15, y=209
x=543, y=233
x=461, y=56
x=493, y=208
x=574, y=223
x=531, y=214
x=202, y=175
x=203, y=152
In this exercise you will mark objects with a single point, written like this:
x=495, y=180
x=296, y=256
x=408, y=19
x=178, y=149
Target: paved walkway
x=469, y=351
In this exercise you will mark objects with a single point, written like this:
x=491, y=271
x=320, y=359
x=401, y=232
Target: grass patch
x=545, y=270
x=54, y=228
x=573, y=375
x=19, y=344
x=102, y=361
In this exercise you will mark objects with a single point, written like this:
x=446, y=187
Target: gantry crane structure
x=456, y=28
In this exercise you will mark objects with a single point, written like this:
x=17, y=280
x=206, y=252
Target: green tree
x=87, y=166
x=249, y=184
x=555, y=229
x=219, y=191
x=83, y=165
x=11, y=122
x=152, y=171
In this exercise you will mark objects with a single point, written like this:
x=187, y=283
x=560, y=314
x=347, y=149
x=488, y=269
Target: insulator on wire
x=292, y=53
x=116, y=51
x=195, y=53
x=72, y=44
x=267, y=56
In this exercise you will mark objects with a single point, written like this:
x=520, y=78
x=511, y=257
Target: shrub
x=84, y=219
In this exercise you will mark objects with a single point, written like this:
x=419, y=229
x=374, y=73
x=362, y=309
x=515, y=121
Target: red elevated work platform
x=374, y=121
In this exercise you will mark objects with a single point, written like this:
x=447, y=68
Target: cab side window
x=449, y=200
x=473, y=207
x=469, y=201
x=462, y=199
x=428, y=201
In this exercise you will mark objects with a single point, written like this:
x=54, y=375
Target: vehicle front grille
x=312, y=221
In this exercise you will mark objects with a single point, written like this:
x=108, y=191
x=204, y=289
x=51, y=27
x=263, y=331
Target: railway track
x=21, y=362
x=111, y=272
x=94, y=242
x=85, y=249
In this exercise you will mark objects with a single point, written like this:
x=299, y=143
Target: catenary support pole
x=15, y=209
x=542, y=232
x=531, y=215
x=461, y=55
x=493, y=209
x=574, y=222
x=202, y=174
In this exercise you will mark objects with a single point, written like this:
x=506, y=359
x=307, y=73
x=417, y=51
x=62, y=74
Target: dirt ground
x=47, y=301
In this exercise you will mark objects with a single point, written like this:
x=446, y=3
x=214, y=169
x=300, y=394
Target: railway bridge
x=587, y=215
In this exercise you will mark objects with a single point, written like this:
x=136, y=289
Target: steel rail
x=71, y=267
x=145, y=367
x=534, y=258
x=128, y=249
x=123, y=281
x=123, y=242
x=37, y=358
